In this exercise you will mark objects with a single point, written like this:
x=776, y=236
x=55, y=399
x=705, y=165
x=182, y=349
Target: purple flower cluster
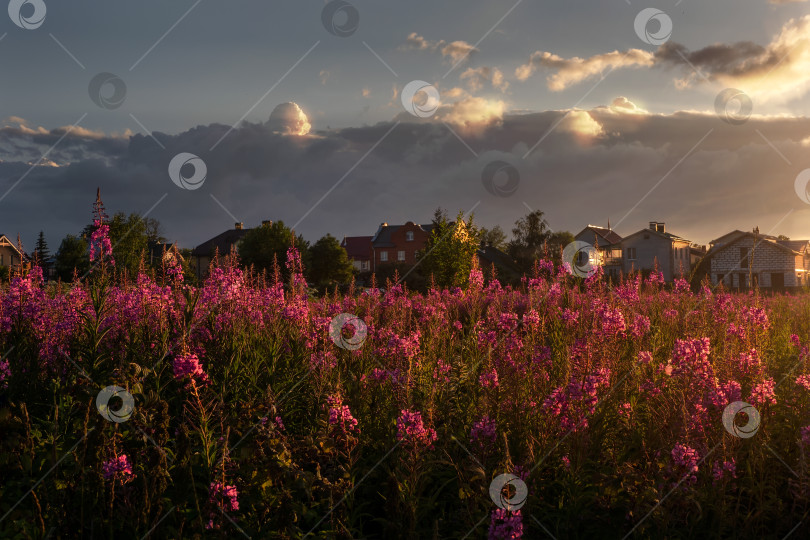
x=505, y=525
x=340, y=417
x=118, y=470
x=484, y=432
x=686, y=461
x=189, y=366
x=412, y=431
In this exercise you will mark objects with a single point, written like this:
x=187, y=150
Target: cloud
x=779, y=70
x=581, y=124
x=623, y=105
x=455, y=50
x=570, y=71
x=594, y=165
x=289, y=119
x=786, y=1
x=476, y=78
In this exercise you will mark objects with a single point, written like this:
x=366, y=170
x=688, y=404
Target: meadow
x=249, y=407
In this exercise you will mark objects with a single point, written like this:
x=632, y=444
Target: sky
x=200, y=114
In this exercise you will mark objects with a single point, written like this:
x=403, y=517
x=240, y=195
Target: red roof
x=357, y=247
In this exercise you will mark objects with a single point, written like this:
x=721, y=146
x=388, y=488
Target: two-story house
x=358, y=248
x=748, y=259
x=398, y=243
x=608, y=242
x=10, y=255
x=644, y=249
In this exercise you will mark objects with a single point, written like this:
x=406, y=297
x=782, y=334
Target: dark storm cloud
x=593, y=166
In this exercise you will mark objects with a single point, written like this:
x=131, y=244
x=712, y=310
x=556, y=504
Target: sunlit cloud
x=570, y=71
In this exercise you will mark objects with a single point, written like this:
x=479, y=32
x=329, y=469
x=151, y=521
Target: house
x=202, y=255
x=167, y=252
x=653, y=246
x=745, y=259
x=398, y=243
x=10, y=254
x=608, y=242
x=358, y=248
x=505, y=267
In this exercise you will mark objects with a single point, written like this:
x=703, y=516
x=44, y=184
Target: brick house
x=644, y=249
x=745, y=259
x=202, y=255
x=358, y=248
x=608, y=242
x=398, y=243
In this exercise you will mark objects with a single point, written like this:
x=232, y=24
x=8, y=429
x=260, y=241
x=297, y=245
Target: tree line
x=445, y=261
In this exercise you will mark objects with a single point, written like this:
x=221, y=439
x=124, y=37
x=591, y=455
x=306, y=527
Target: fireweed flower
x=763, y=393
x=484, y=432
x=442, y=372
x=412, y=431
x=5, y=373
x=724, y=470
x=189, y=366
x=118, y=470
x=640, y=326
x=686, y=461
x=489, y=379
x=801, y=380
x=223, y=496
x=340, y=417
x=505, y=525
x=100, y=245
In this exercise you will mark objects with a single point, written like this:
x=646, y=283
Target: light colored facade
x=10, y=256
x=608, y=242
x=746, y=259
x=651, y=247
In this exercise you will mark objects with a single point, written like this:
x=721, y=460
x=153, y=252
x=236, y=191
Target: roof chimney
x=653, y=225
x=266, y=222
x=661, y=227
x=238, y=226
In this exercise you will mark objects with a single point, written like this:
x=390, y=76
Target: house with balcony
x=742, y=260
x=358, y=248
x=654, y=246
x=608, y=243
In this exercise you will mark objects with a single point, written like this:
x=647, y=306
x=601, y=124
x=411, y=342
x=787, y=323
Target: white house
x=744, y=259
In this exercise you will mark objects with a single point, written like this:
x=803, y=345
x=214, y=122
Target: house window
x=383, y=256
x=409, y=236
x=631, y=254
x=743, y=257
x=400, y=255
x=364, y=265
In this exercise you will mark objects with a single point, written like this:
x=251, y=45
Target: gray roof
x=383, y=236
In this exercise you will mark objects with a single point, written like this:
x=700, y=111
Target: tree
x=72, y=255
x=262, y=244
x=529, y=237
x=42, y=253
x=494, y=237
x=329, y=263
x=449, y=250
x=557, y=242
x=130, y=237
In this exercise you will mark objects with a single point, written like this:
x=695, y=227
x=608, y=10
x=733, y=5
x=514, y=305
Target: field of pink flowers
x=247, y=407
